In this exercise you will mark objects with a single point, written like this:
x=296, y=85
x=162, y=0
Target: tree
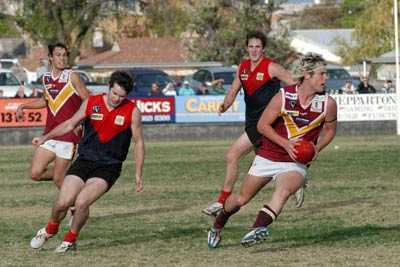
x=67, y=21
x=220, y=27
x=373, y=33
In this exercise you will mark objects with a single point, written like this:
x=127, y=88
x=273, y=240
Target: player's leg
x=69, y=190
x=65, y=152
x=249, y=188
x=93, y=190
x=39, y=170
x=236, y=151
x=286, y=184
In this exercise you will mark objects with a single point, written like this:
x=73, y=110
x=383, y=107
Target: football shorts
x=262, y=167
x=62, y=149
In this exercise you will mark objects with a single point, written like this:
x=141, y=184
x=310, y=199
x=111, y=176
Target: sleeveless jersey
x=258, y=88
x=295, y=122
x=107, y=133
x=62, y=102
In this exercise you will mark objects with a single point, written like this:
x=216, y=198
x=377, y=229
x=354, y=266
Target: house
x=387, y=68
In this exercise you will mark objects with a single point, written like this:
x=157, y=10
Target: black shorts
x=254, y=136
x=86, y=169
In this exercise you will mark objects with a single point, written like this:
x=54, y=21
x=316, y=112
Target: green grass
x=350, y=216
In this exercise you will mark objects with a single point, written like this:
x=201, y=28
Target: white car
x=9, y=84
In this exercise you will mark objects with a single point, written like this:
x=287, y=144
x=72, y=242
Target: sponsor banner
x=204, y=109
x=32, y=117
x=156, y=109
x=366, y=107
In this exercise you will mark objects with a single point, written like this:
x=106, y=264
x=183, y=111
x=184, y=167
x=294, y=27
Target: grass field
x=350, y=216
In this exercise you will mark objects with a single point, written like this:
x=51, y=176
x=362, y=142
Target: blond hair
x=307, y=64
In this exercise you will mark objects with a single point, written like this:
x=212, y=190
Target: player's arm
x=231, y=95
x=277, y=71
x=64, y=127
x=139, y=150
x=329, y=130
x=264, y=125
x=35, y=104
x=79, y=86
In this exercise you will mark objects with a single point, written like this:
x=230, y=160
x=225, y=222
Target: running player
x=110, y=121
x=63, y=95
x=297, y=112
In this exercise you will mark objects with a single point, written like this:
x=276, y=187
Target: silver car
x=9, y=84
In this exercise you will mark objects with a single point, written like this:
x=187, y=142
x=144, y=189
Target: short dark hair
x=256, y=35
x=123, y=79
x=51, y=48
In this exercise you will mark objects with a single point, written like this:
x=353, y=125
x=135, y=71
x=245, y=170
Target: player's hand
x=221, y=109
x=37, y=141
x=78, y=130
x=290, y=148
x=20, y=113
x=139, y=184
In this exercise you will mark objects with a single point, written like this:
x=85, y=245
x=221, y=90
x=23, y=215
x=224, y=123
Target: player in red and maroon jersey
x=259, y=77
x=63, y=95
x=110, y=122
x=298, y=111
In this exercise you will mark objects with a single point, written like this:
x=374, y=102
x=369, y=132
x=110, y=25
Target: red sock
x=52, y=228
x=70, y=236
x=223, y=195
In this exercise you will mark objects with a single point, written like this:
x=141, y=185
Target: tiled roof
x=141, y=50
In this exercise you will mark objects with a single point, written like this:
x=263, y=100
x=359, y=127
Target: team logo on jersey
x=292, y=103
x=316, y=106
x=96, y=109
x=63, y=77
x=260, y=76
x=96, y=116
x=244, y=76
x=119, y=120
x=293, y=113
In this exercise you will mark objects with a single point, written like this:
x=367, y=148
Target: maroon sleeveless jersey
x=62, y=102
x=258, y=88
x=295, y=122
x=107, y=133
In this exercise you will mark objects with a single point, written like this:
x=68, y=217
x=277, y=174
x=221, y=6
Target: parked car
x=9, y=84
x=144, y=77
x=337, y=77
x=207, y=75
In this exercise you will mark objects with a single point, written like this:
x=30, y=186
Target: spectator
x=217, y=87
x=37, y=92
x=365, y=88
x=42, y=69
x=348, y=88
x=388, y=87
x=2, y=94
x=21, y=92
x=203, y=90
x=155, y=90
x=169, y=90
x=186, y=89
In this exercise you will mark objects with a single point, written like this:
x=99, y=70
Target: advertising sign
x=204, y=109
x=366, y=107
x=32, y=117
x=156, y=109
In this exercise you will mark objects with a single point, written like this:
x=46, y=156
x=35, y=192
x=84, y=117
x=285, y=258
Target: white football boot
x=65, y=246
x=41, y=237
x=213, y=209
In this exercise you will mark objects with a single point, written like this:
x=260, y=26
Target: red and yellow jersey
x=107, y=133
x=259, y=88
x=62, y=102
x=295, y=122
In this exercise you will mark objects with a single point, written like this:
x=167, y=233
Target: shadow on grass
x=140, y=237
x=137, y=213
x=356, y=234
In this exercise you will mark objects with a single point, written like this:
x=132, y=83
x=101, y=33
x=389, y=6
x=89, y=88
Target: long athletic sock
x=265, y=217
x=70, y=236
x=223, y=217
x=223, y=195
x=52, y=228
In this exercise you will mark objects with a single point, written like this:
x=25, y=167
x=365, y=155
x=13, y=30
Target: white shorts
x=62, y=149
x=263, y=167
